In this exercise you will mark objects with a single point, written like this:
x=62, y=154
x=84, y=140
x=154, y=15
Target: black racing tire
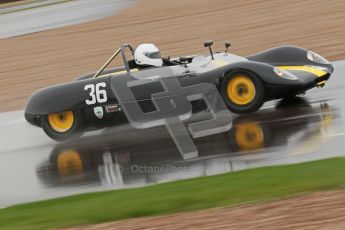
x=63, y=126
x=242, y=91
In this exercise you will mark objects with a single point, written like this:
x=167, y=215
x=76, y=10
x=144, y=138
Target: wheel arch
x=234, y=70
x=263, y=71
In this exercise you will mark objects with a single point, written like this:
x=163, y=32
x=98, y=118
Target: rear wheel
x=64, y=125
x=242, y=92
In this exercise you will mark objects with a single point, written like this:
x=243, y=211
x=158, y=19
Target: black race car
x=108, y=96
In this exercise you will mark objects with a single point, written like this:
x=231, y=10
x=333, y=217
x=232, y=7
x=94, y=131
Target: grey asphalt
x=33, y=167
x=45, y=17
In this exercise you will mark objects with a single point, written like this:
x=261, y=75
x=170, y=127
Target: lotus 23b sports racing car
x=104, y=98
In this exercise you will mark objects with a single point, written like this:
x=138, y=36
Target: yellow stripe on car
x=321, y=83
x=316, y=71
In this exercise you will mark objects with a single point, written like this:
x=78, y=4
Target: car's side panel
x=68, y=96
x=264, y=71
x=275, y=86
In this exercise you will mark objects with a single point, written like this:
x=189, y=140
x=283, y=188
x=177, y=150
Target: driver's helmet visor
x=155, y=55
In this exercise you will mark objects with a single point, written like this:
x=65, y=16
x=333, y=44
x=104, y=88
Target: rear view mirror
x=208, y=43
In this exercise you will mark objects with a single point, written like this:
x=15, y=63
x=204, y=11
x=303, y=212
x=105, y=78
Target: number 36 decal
x=97, y=93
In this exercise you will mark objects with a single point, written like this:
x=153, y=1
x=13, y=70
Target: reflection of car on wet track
x=98, y=100
x=136, y=156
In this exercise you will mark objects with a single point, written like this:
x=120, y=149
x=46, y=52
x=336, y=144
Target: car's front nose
x=322, y=65
x=33, y=119
x=316, y=75
x=322, y=74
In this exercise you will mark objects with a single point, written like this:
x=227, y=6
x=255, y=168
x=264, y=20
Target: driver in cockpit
x=148, y=55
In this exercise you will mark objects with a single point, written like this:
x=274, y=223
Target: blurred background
x=45, y=42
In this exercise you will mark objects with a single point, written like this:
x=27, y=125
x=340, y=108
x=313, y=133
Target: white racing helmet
x=148, y=54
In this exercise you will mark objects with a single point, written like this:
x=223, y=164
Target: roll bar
x=122, y=50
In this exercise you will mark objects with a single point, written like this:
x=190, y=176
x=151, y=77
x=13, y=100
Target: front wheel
x=64, y=125
x=243, y=92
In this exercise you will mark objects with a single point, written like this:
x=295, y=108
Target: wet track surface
x=33, y=167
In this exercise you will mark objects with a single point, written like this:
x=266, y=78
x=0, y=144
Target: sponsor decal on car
x=98, y=112
x=112, y=108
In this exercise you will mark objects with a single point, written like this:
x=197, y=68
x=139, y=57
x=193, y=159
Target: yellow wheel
x=249, y=136
x=69, y=163
x=61, y=122
x=242, y=91
x=63, y=125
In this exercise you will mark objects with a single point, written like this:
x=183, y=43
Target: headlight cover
x=284, y=74
x=314, y=57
